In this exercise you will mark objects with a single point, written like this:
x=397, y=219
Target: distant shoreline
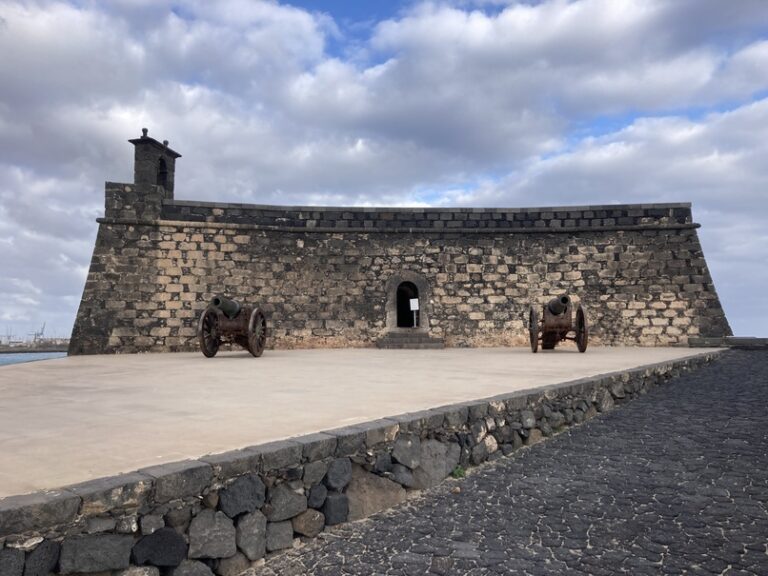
x=32, y=349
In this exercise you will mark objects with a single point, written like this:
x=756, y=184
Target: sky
x=487, y=103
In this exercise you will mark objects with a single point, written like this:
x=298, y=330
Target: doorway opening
x=406, y=317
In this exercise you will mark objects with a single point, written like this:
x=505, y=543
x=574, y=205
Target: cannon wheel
x=582, y=330
x=533, y=329
x=208, y=333
x=257, y=332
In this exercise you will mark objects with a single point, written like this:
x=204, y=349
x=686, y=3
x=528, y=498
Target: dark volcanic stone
x=11, y=562
x=96, y=553
x=407, y=450
x=245, y=494
x=317, y=446
x=179, y=518
x=336, y=508
x=43, y=559
x=437, y=461
x=317, y=495
x=252, y=535
x=383, y=463
x=280, y=454
x=40, y=510
x=284, y=503
x=164, y=547
x=151, y=523
x=279, y=535
x=179, y=479
x=339, y=474
x=104, y=494
x=211, y=535
x=403, y=476
x=233, y=566
x=314, y=472
x=192, y=568
x=309, y=523
x=528, y=419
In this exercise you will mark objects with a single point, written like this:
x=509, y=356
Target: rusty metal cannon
x=227, y=321
x=556, y=325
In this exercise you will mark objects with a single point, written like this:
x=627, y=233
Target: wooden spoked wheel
x=208, y=333
x=257, y=333
x=582, y=330
x=533, y=329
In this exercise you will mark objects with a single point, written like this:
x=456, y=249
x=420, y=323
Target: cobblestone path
x=673, y=483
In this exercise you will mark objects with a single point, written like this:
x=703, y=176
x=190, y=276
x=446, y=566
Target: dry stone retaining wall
x=220, y=513
x=326, y=277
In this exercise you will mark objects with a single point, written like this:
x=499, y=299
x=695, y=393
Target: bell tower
x=154, y=163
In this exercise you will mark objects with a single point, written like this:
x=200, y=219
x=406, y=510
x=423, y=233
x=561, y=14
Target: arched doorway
x=406, y=318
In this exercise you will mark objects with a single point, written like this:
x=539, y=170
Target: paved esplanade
x=74, y=419
x=673, y=483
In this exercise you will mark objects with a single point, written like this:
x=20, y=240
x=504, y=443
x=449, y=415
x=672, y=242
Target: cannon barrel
x=230, y=308
x=558, y=305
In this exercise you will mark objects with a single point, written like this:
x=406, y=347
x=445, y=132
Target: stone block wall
x=326, y=277
x=221, y=513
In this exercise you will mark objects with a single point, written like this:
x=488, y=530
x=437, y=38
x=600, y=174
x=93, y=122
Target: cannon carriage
x=557, y=324
x=227, y=321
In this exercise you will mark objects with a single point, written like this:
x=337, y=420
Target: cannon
x=556, y=325
x=226, y=320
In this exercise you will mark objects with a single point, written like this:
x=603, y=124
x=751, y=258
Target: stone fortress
x=343, y=277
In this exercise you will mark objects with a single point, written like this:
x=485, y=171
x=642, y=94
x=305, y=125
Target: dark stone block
x=97, y=553
x=234, y=463
x=407, y=450
x=192, y=568
x=339, y=474
x=179, y=518
x=284, y=503
x=165, y=547
x=349, y=440
x=43, y=559
x=383, y=463
x=279, y=535
x=11, y=562
x=115, y=492
x=317, y=496
x=281, y=454
x=252, y=535
x=403, y=476
x=179, y=479
x=317, y=446
x=212, y=535
x=528, y=419
x=245, y=494
x=37, y=511
x=336, y=508
x=314, y=472
x=233, y=566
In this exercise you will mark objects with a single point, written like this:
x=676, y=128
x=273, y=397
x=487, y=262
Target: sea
x=20, y=357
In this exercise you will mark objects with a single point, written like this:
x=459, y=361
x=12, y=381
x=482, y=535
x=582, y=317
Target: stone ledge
x=408, y=451
x=373, y=209
x=738, y=342
x=426, y=230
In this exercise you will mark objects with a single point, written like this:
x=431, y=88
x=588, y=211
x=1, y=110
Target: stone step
x=418, y=341
x=411, y=346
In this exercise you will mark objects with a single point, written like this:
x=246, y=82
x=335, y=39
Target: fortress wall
x=326, y=276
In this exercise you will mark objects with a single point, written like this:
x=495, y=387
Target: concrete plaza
x=77, y=418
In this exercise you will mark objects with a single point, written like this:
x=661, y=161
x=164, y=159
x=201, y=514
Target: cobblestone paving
x=673, y=483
